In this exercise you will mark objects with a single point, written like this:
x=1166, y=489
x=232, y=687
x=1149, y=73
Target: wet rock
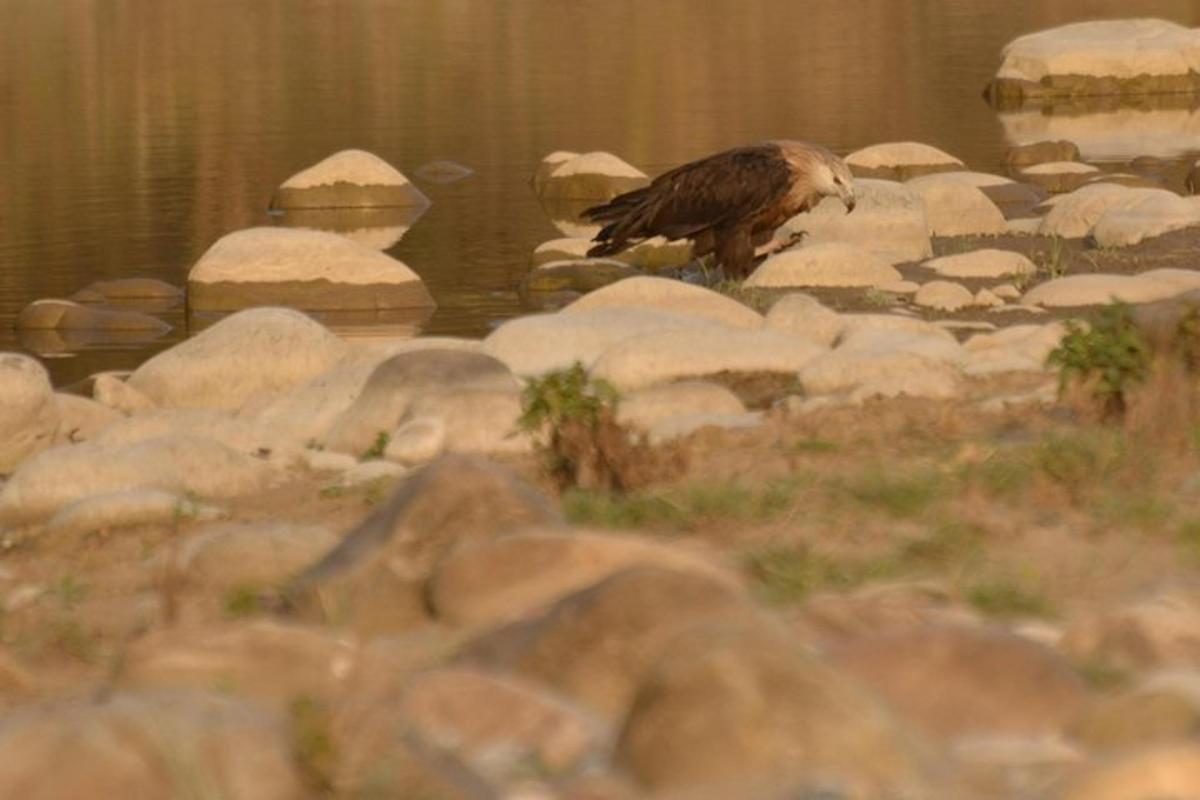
x=671, y=296
x=653, y=254
x=955, y=207
x=803, y=315
x=539, y=343
x=564, y=249
x=115, y=392
x=595, y=176
x=1108, y=57
x=578, y=275
x=742, y=708
x=81, y=418
x=348, y=179
x=1098, y=289
x=671, y=355
x=988, y=681
x=260, y=351
x=643, y=409
x=301, y=268
x=258, y=555
x=66, y=315
x=943, y=296
x=1159, y=631
x=499, y=725
x=398, y=382
x=889, y=220
x=900, y=161
x=1161, y=709
x=1169, y=771
x=269, y=662
x=985, y=263
x=147, y=745
x=1074, y=214
x=62, y=475
x=1059, y=177
x=373, y=579
x=443, y=172
x=597, y=645
x=31, y=416
x=1044, y=152
x=515, y=576
x=827, y=264
x=1144, y=217
x=125, y=508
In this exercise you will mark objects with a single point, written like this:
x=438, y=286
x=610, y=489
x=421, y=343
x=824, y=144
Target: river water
x=135, y=133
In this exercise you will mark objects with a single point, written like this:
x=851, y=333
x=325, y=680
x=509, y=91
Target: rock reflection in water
x=361, y=325
x=380, y=228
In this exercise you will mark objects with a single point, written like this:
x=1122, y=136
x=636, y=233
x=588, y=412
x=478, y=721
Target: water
x=134, y=133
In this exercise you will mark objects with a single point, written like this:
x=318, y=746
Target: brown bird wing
x=719, y=191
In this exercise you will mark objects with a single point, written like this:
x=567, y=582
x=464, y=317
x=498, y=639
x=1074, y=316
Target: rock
x=116, y=393
x=66, y=315
x=371, y=471
x=1144, y=217
x=147, y=745
x=900, y=287
x=1159, y=631
x=372, y=580
x=548, y=165
x=1099, y=289
x=828, y=264
x=499, y=725
x=597, y=176
x=1167, y=771
x=643, y=409
x=955, y=207
x=597, y=645
x=31, y=416
x=378, y=228
x=884, y=370
x=540, y=343
x=1014, y=199
x=943, y=296
x=803, y=315
x=1024, y=226
x=900, y=161
x=1059, y=177
x=258, y=555
x=989, y=681
x=417, y=440
x=348, y=179
x=1074, y=214
x=240, y=434
x=1031, y=342
x=1161, y=709
x=303, y=268
x=740, y=709
x=1044, y=152
x=671, y=296
x=124, y=289
x=62, y=475
x=260, y=351
x=564, y=249
x=80, y=418
x=443, y=172
x=516, y=576
x=684, y=425
x=917, y=340
x=124, y=508
x=889, y=220
x=853, y=324
x=671, y=355
x=1006, y=291
x=473, y=420
x=836, y=618
x=985, y=263
x=652, y=254
x=577, y=275
x=398, y=382
x=984, y=298
x=1104, y=57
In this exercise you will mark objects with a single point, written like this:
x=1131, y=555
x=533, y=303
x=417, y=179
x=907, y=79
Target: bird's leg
x=775, y=245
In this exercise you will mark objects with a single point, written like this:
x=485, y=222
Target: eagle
x=728, y=203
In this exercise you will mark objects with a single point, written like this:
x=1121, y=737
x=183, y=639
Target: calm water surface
x=134, y=133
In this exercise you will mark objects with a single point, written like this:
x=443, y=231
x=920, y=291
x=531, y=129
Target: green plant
x=241, y=600
x=881, y=299
x=1107, y=359
x=900, y=496
x=1004, y=598
x=375, y=451
x=788, y=574
x=1054, y=261
x=312, y=741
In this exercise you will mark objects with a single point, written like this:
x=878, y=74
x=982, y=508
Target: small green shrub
x=1005, y=598
x=1107, y=359
x=241, y=600
x=564, y=397
x=375, y=451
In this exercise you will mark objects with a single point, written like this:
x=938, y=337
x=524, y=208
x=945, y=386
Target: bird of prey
x=727, y=203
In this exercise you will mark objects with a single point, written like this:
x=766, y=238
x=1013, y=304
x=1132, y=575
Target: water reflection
x=360, y=324
x=567, y=216
x=380, y=228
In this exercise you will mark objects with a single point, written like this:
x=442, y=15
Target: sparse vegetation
x=899, y=495
x=1104, y=360
x=1053, y=263
x=241, y=600
x=312, y=742
x=680, y=509
x=1007, y=598
x=881, y=299
x=377, y=448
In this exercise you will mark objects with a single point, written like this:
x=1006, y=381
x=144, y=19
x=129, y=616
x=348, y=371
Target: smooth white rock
x=861, y=374
x=671, y=296
x=29, y=416
x=823, y=264
x=348, y=166
x=943, y=296
x=128, y=507
x=936, y=347
x=116, y=393
x=800, y=314
x=893, y=154
x=1099, y=289
x=985, y=263
x=646, y=408
x=956, y=207
x=1145, y=217
x=889, y=220
x=1120, y=48
x=417, y=440
x=1060, y=168
x=81, y=418
x=1072, y=215
x=891, y=322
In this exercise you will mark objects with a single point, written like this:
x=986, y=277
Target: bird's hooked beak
x=846, y=194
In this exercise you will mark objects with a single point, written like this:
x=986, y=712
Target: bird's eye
x=838, y=181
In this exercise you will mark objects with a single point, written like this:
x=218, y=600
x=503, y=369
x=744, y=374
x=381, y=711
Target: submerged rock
x=443, y=172
x=301, y=268
x=54, y=314
x=576, y=275
x=348, y=179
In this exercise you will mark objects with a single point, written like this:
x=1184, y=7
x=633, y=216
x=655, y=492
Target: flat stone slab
x=300, y=268
x=985, y=263
x=348, y=179
x=825, y=264
x=1089, y=290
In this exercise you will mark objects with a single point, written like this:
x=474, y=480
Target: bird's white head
x=834, y=180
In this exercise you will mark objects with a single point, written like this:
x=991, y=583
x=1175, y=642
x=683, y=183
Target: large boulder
x=348, y=179
x=302, y=268
x=826, y=264
x=1099, y=289
x=954, y=206
x=1102, y=57
x=260, y=351
x=124, y=508
x=1073, y=215
x=889, y=220
x=1147, y=216
x=31, y=417
x=883, y=364
x=645, y=409
x=597, y=176
x=674, y=297
x=900, y=161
